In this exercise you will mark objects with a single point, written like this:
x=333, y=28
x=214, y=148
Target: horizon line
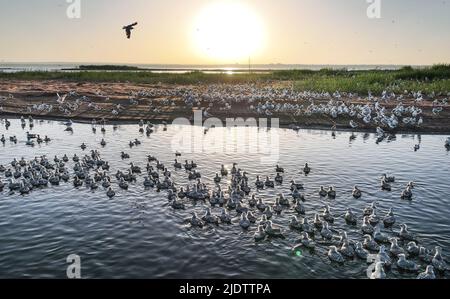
x=211, y=64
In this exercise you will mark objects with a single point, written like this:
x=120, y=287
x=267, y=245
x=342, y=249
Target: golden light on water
x=228, y=32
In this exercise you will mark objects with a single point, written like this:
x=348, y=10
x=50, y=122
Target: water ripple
x=136, y=235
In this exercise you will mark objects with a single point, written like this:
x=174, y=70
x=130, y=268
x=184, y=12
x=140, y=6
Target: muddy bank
x=101, y=100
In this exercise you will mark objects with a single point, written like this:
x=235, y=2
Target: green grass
x=138, y=77
x=432, y=79
x=378, y=81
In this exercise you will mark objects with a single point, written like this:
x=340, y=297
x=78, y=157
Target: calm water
x=171, y=68
x=136, y=235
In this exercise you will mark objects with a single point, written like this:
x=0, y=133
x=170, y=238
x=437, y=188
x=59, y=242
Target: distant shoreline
x=168, y=70
x=63, y=66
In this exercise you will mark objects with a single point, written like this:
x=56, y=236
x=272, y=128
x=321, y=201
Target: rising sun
x=228, y=31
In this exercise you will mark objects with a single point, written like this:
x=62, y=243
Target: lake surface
x=137, y=235
x=171, y=68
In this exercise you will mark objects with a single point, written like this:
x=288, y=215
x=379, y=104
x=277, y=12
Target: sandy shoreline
x=17, y=96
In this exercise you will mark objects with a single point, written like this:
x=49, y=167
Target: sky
x=407, y=32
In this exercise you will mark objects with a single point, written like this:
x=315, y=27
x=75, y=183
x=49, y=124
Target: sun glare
x=228, y=31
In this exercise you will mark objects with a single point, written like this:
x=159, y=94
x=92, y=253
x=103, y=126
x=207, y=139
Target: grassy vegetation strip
x=433, y=79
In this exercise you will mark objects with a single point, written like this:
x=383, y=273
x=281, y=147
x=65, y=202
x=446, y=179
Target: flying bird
x=128, y=29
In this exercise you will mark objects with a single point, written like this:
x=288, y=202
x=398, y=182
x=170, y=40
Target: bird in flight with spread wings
x=128, y=29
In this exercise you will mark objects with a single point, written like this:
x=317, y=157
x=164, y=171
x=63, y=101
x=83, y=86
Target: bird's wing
x=130, y=26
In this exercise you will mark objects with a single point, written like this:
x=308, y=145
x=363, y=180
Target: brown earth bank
x=18, y=97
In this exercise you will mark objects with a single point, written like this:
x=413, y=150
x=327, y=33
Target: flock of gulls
x=372, y=111
x=271, y=101
x=239, y=203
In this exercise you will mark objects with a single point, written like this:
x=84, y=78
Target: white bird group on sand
x=273, y=101
x=388, y=111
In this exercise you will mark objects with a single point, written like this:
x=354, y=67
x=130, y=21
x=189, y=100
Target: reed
x=430, y=79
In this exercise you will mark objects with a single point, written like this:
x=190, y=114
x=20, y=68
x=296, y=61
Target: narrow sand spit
x=18, y=97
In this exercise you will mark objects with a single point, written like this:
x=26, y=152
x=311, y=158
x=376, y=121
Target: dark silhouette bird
x=128, y=29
